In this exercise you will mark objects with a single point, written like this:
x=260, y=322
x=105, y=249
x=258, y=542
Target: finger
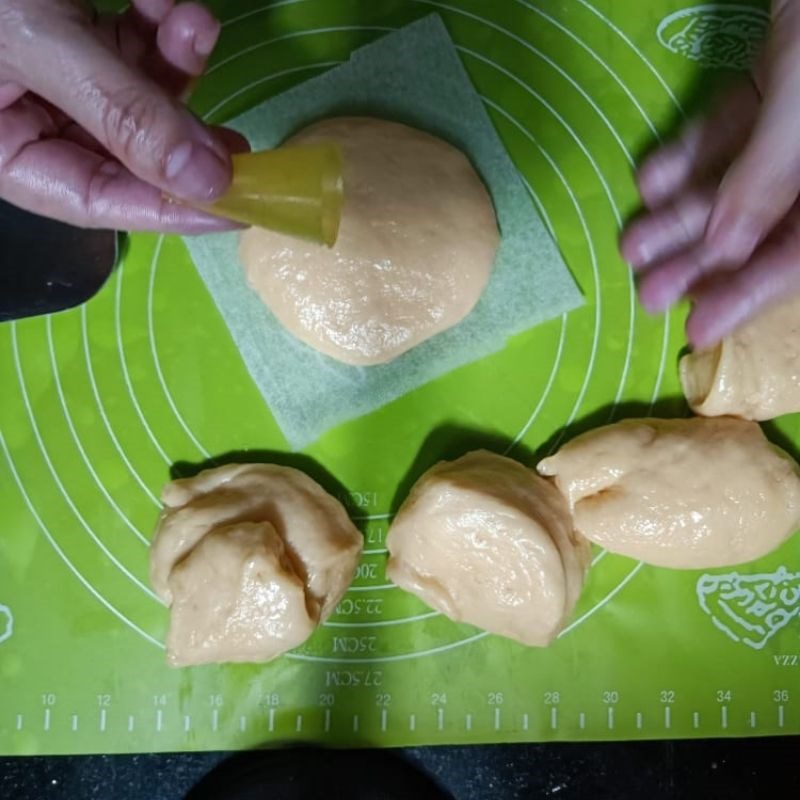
x=64, y=128
x=772, y=274
x=65, y=181
x=763, y=182
x=668, y=281
x=702, y=148
x=149, y=132
x=9, y=93
x=153, y=11
x=187, y=36
x=172, y=52
x=137, y=48
x=61, y=180
x=21, y=124
x=668, y=230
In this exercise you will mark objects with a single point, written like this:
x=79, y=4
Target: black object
x=732, y=769
x=48, y=266
x=308, y=773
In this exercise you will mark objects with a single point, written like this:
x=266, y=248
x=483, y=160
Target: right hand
x=722, y=221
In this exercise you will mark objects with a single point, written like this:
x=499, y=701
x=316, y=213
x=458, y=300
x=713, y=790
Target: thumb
x=154, y=136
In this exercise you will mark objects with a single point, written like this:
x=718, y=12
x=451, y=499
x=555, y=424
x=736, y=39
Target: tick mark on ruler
x=159, y=720
x=130, y=723
x=753, y=719
x=412, y=722
x=187, y=723
x=298, y=724
x=468, y=722
x=384, y=719
x=102, y=720
x=271, y=720
x=215, y=719
x=327, y=722
x=524, y=722
x=724, y=716
x=47, y=719
x=696, y=719
x=19, y=722
x=667, y=717
x=611, y=718
x=440, y=719
x=497, y=719
x=355, y=723
x=780, y=716
x=638, y=720
x=581, y=720
x=242, y=724
x=554, y=718
x=74, y=724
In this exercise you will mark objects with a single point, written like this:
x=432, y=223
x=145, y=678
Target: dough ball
x=236, y=597
x=754, y=373
x=684, y=493
x=486, y=541
x=269, y=531
x=416, y=247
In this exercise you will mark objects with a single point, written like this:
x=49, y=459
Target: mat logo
x=751, y=608
x=715, y=35
x=6, y=623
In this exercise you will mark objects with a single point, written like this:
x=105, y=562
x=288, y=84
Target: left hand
x=92, y=128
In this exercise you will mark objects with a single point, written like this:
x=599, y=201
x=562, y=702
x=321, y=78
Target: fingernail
x=636, y=250
x=659, y=178
x=195, y=172
x=657, y=293
x=205, y=41
x=699, y=335
x=651, y=300
x=652, y=182
x=653, y=305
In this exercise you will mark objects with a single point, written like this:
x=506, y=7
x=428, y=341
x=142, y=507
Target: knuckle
x=37, y=20
x=133, y=125
x=97, y=202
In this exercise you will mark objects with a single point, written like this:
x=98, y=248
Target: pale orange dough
x=415, y=250
x=250, y=558
x=685, y=493
x=754, y=373
x=486, y=541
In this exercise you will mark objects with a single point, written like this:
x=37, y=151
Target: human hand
x=722, y=221
x=91, y=128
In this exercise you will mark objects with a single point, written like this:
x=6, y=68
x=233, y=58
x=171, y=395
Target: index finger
x=60, y=179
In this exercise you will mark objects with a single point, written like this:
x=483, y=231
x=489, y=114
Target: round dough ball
x=754, y=373
x=415, y=250
x=684, y=493
x=273, y=529
x=486, y=541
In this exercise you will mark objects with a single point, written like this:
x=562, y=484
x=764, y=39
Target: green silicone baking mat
x=99, y=404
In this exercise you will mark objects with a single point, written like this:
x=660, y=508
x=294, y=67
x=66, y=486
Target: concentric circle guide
x=150, y=496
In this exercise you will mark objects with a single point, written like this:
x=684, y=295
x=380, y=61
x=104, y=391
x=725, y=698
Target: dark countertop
x=730, y=769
